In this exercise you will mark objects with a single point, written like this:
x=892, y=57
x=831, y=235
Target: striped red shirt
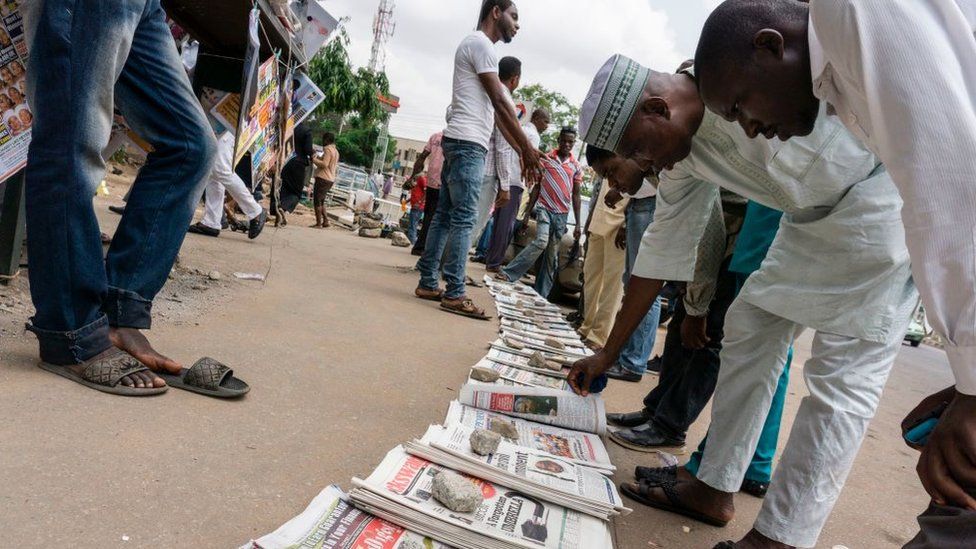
x=558, y=177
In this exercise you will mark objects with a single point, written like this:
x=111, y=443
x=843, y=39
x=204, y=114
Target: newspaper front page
x=560, y=408
x=583, y=448
x=539, y=473
x=505, y=515
x=330, y=521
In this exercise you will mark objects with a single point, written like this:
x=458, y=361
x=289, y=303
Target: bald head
x=753, y=66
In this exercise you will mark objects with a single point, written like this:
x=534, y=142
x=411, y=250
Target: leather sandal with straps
x=464, y=307
x=105, y=374
x=208, y=377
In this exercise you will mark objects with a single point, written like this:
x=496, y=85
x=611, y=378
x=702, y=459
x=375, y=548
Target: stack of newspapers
x=546, y=486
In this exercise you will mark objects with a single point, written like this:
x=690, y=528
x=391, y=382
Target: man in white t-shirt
x=478, y=97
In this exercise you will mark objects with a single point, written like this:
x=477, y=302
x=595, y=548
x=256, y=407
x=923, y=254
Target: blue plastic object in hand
x=597, y=385
x=919, y=434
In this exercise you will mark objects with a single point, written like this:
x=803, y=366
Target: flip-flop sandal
x=674, y=503
x=106, y=373
x=655, y=474
x=466, y=308
x=435, y=295
x=208, y=377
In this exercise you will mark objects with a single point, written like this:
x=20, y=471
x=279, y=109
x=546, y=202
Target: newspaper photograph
x=560, y=408
x=330, y=521
x=511, y=375
x=17, y=117
x=545, y=471
x=579, y=447
x=505, y=515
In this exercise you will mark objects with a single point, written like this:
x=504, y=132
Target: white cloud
x=561, y=44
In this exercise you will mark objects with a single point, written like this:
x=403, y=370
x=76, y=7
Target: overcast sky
x=562, y=43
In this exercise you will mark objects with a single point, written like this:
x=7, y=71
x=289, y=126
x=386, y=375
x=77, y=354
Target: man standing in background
x=325, y=176
x=433, y=152
x=505, y=215
x=478, y=96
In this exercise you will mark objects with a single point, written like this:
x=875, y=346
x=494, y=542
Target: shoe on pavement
x=654, y=365
x=256, y=225
x=630, y=419
x=646, y=438
x=623, y=374
x=200, y=228
x=754, y=488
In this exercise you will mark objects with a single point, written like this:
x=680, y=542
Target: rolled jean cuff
x=126, y=309
x=74, y=347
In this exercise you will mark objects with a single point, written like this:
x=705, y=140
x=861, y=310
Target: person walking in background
x=387, y=186
x=549, y=203
x=90, y=309
x=418, y=195
x=478, y=104
x=326, y=166
x=294, y=176
x=433, y=157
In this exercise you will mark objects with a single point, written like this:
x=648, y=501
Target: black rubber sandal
x=105, y=375
x=208, y=377
x=655, y=474
x=674, y=504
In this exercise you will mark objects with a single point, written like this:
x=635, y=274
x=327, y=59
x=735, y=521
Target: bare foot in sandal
x=463, y=306
x=144, y=379
x=135, y=343
x=686, y=495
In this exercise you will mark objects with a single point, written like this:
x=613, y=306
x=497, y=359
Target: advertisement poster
x=250, y=87
x=307, y=97
x=17, y=118
x=320, y=26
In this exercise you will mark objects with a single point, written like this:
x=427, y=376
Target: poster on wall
x=307, y=97
x=250, y=84
x=17, y=118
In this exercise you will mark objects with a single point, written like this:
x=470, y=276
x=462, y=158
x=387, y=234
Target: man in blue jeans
x=640, y=212
x=90, y=310
x=479, y=103
x=549, y=202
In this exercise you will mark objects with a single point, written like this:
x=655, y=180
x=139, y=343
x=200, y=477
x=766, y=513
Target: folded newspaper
x=576, y=446
x=513, y=375
x=529, y=471
x=499, y=351
x=552, y=406
x=399, y=490
x=330, y=521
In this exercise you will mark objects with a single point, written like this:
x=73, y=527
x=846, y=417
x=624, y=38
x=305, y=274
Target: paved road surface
x=345, y=364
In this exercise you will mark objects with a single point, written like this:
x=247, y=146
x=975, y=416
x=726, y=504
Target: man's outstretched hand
x=947, y=466
x=585, y=370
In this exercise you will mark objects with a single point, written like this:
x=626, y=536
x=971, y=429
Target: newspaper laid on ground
x=511, y=375
x=576, y=446
x=529, y=471
x=499, y=351
x=399, y=490
x=552, y=406
x=544, y=329
x=331, y=521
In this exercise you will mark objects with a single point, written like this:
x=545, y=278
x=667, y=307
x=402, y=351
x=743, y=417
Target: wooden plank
x=12, y=227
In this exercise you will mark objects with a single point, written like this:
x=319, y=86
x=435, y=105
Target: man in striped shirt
x=549, y=203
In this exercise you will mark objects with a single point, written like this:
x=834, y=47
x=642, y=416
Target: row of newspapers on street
x=547, y=485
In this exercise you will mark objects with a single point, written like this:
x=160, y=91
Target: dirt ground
x=344, y=364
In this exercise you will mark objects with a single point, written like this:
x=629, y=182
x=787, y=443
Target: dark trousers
x=944, y=527
x=504, y=227
x=688, y=377
x=430, y=206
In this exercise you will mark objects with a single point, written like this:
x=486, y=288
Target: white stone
x=456, y=492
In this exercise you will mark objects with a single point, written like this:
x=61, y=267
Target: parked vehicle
x=916, y=327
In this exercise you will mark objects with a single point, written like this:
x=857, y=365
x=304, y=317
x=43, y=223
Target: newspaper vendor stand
x=221, y=28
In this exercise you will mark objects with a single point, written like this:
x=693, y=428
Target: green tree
x=561, y=111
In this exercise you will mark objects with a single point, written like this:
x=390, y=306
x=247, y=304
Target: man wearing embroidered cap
x=839, y=204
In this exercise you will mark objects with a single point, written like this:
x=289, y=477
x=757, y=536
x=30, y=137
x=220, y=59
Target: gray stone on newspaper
x=537, y=360
x=484, y=442
x=513, y=344
x=528, y=313
x=554, y=343
x=504, y=428
x=456, y=492
x=410, y=544
x=487, y=375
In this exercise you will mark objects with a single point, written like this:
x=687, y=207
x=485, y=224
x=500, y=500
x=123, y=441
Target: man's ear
x=656, y=106
x=769, y=41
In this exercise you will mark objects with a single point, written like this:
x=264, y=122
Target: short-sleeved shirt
x=472, y=115
x=418, y=194
x=435, y=160
x=558, y=178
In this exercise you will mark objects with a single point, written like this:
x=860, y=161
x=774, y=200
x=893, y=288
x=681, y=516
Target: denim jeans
x=464, y=170
x=431, y=199
x=638, y=348
x=501, y=234
x=82, y=61
x=481, y=250
x=416, y=214
x=549, y=230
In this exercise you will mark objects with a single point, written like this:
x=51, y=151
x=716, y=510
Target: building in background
x=407, y=151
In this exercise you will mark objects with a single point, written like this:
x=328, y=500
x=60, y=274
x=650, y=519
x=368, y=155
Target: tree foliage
x=561, y=111
x=357, y=142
